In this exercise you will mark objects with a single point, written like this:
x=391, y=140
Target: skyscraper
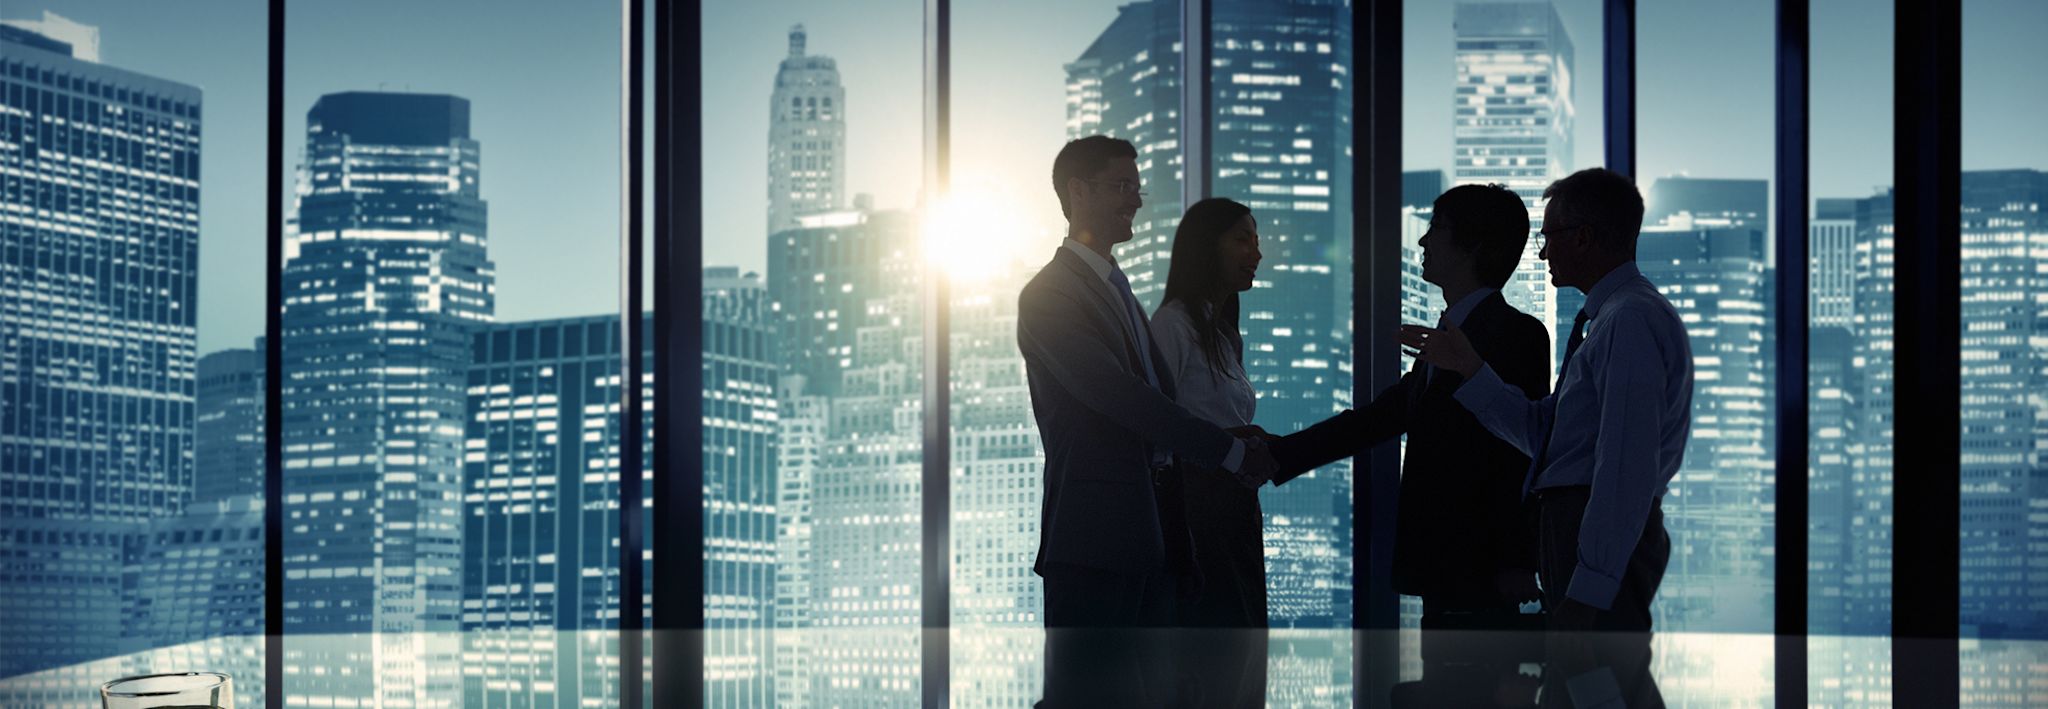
x=1512, y=120
x=99, y=263
x=1281, y=141
x=806, y=137
x=1868, y=607
x=997, y=458
x=195, y=576
x=1831, y=243
x=2005, y=533
x=1706, y=254
x=229, y=427
x=385, y=281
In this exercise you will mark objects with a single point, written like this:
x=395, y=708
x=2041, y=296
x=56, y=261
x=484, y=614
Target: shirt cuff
x=1592, y=588
x=1477, y=391
x=1236, y=455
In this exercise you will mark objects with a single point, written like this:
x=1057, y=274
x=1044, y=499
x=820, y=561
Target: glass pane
x=2004, y=420
x=1704, y=119
x=1281, y=86
x=813, y=336
x=1849, y=360
x=1495, y=93
x=131, y=423
x=451, y=353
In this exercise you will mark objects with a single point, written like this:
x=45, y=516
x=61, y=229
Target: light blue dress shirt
x=1618, y=422
x=1109, y=273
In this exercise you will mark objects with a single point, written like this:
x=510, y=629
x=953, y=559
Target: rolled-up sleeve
x=1629, y=380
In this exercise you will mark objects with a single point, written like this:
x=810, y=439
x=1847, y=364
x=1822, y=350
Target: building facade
x=99, y=275
x=385, y=281
x=806, y=137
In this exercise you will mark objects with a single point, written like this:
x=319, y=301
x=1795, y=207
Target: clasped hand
x=1258, y=465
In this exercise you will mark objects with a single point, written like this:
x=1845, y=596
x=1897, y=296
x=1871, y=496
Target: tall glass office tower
x=1512, y=123
x=806, y=137
x=1281, y=141
x=2005, y=364
x=1705, y=250
x=385, y=280
x=99, y=265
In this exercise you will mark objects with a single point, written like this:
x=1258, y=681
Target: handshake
x=1258, y=465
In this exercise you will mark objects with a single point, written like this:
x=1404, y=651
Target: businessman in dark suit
x=1460, y=540
x=1114, y=547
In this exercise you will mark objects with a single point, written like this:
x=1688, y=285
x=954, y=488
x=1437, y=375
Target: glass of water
x=183, y=690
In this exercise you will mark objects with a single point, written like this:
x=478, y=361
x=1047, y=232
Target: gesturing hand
x=1250, y=431
x=1446, y=349
x=1258, y=465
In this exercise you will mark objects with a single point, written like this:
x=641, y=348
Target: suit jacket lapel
x=1108, y=300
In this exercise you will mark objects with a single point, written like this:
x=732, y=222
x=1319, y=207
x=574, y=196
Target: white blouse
x=1223, y=398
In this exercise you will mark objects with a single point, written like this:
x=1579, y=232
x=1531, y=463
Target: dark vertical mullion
x=1375, y=301
x=936, y=491
x=1791, y=329
x=1618, y=19
x=1198, y=177
x=273, y=367
x=632, y=539
x=678, y=351
x=1927, y=492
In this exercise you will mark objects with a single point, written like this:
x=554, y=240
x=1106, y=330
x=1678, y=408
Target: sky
x=543, y=79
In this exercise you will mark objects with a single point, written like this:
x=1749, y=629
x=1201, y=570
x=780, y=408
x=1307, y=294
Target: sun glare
x=975, y=231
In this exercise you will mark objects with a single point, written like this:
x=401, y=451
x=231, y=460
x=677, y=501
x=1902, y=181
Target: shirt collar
x=1463, y=308
x=1608, y=284
x=1101, y=266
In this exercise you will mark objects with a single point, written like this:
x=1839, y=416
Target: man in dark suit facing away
x=1114, y=548
x=1460, y=540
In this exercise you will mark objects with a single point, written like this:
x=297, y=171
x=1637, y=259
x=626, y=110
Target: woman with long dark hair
x=1215, y=256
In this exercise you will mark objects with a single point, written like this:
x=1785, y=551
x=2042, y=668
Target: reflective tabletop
x=1011, y=667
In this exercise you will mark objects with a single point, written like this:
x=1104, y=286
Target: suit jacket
x=1100, y=421
x=1460, y=516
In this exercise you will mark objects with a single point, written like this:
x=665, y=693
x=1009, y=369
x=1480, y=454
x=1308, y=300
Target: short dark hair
x=1085, y=158
x=1489, y=221
x=1606, y=201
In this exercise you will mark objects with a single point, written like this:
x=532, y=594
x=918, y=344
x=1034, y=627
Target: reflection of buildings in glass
x=1281, y=144
x=229, y=428
x=99, y=256
x=385, y=280
x=1512, y=120
x=2005, y=363
x=195, y=576
x=806, y=137
x=1705, y=251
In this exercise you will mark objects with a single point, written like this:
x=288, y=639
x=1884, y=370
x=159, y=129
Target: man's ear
x=1074, y=189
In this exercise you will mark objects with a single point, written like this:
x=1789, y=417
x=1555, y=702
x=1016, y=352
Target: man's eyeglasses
x=1123, y=188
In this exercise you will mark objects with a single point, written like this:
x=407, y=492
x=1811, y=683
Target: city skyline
x=858, y=270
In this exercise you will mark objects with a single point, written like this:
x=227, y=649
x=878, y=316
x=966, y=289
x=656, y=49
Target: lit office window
x=813, y=370
x=451, y=353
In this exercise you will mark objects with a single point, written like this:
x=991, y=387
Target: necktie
x=1571, y=347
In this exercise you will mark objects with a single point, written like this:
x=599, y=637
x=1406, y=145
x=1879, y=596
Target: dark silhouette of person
x=1215, y=257
x=1608, y=442
x=1462, y=541
x=1114, y=548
